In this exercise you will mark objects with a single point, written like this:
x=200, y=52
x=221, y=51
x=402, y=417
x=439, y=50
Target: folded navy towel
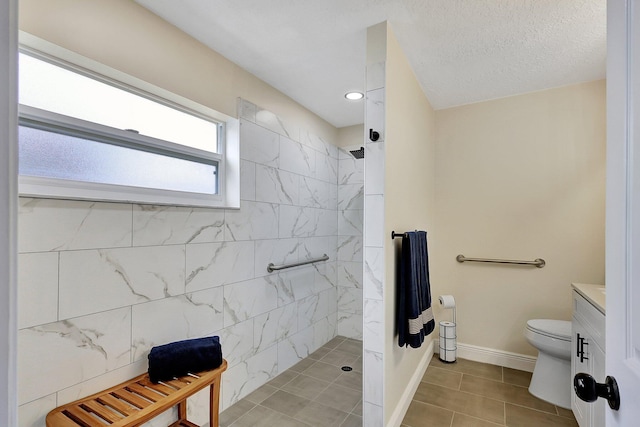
x=182, y=357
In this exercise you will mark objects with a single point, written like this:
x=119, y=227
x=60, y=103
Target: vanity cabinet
x=588, y=356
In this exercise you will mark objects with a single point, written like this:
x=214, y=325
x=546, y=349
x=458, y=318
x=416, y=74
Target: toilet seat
x=558, y=329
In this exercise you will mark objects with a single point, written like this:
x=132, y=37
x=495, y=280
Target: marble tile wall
x=350, y=255
x=102, y=283
x=374, y=269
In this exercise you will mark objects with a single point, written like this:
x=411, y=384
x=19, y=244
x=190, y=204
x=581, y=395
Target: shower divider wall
x=350, y=256
x=102, y=283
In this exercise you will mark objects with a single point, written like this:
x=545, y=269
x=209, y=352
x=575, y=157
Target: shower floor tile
x=313, y=393
x=316, y=392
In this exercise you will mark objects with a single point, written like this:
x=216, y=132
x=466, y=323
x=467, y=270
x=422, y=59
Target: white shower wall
x=350, y=219
x=101, y=283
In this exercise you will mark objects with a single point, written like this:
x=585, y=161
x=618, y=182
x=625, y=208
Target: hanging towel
x=179, y=358
x=414, y=314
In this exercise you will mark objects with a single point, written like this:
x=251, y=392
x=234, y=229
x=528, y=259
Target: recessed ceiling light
x=354, y=96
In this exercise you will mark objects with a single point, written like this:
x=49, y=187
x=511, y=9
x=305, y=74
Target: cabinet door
x=581, y=361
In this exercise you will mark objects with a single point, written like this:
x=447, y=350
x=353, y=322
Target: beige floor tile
x=334, y=342
x=352, y=421
x=506, y=392
x=302, y=365
x=265, y=417
x=305, y=386
x=443, y=377
x=467, y=403
x=320, y=353
x=283, y=378
x=357, y=365
x=516, y=377
x=461, y=420
x=470, y=367
x=323, y=371
x=235, y=411
x=341, y=398
x=567, y=413
x=261, y=393
x=358, y=409
x=518, y=416
x=340, y=358
x=424, y=415
x=318, y=415
x=351, y=379
x=286, y=403
x=353, y=347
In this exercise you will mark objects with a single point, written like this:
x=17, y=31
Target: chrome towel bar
x=271, y=268
x=538, y=262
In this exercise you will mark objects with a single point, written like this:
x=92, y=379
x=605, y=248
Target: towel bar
x=271, y=267
x=538, y=262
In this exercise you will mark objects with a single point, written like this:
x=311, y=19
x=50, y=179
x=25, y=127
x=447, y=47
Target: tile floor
x=316, y=392
x=473, y=394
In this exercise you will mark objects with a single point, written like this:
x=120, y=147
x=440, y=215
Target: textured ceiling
x=462, y=51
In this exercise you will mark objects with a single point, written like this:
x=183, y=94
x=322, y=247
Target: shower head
x=358, y=154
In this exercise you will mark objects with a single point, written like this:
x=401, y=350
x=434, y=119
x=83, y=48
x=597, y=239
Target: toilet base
x=551, y=380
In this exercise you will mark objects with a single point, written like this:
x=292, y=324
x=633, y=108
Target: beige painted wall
x=127, y=37
x=350, y=135
x=520, y=178
x=409, y=201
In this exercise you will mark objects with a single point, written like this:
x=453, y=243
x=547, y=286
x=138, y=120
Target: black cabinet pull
x=582, y=356
x=580, y=343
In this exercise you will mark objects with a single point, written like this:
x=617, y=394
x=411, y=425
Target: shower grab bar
x=538, y=262
x=271, y=267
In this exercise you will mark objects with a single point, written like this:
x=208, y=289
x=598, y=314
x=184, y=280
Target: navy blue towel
x=414, y=315
x=182, y=357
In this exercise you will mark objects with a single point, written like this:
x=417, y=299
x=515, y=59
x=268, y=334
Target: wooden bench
x=138, y=400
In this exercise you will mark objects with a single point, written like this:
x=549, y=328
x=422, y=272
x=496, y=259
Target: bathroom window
x=95, y=133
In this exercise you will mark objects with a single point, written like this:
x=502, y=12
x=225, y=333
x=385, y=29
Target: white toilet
x=551, y=379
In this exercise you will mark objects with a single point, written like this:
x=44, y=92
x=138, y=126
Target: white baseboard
x=401, y=409
x=492, y=356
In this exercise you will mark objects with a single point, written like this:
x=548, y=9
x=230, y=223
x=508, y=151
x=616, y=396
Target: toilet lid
x=560, y=329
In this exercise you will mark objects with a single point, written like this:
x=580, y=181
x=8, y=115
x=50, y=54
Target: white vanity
x=588, y=348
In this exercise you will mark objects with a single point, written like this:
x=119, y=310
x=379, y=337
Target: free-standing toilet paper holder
x=448, y=343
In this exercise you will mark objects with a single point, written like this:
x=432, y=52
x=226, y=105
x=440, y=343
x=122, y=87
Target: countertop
x=595, y=294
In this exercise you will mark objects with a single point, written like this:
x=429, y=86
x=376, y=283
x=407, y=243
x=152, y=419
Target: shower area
x=102, y=283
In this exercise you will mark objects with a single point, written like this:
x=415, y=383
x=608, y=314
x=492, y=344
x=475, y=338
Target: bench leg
x=214, y=407
x=182, y=411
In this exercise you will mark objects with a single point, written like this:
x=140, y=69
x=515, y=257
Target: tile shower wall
x=101, y=283
x=374, y=253
x=350, y=218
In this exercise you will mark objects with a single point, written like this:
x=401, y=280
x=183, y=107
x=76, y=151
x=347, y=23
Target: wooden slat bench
x=138, y=400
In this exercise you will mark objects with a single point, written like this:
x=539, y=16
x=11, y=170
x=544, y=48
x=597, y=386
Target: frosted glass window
x=79, y=159
x=52, y=88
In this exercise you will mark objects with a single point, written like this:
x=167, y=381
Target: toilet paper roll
x=448, y=345
x=447, y=329
x=447, y=301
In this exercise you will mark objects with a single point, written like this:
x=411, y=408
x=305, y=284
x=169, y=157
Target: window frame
x=226, y=158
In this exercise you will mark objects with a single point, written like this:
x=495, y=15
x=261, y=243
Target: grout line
x=533, y=409
x=504, y=409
